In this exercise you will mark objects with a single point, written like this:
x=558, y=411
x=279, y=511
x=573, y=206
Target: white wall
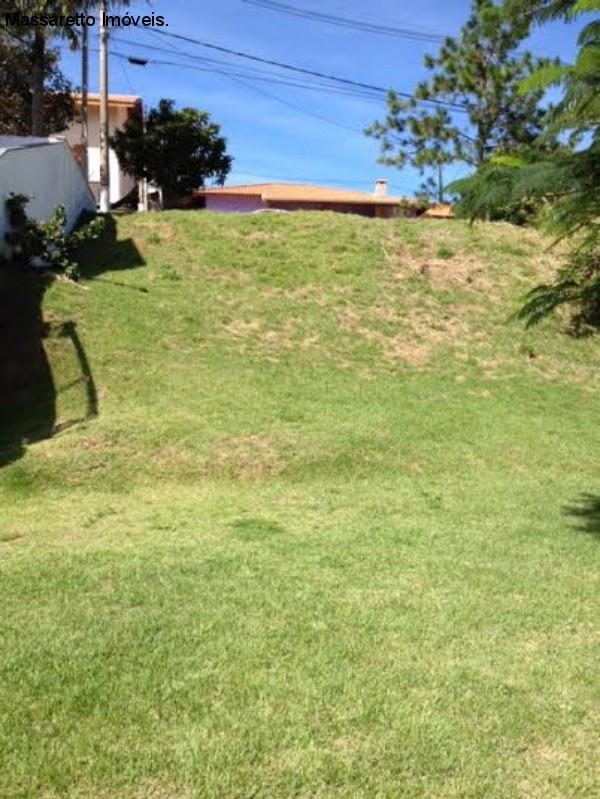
x=49, y=173
x=120, y=183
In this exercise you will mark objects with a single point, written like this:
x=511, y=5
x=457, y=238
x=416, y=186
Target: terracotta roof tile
x=293, y=192
x=439, y=211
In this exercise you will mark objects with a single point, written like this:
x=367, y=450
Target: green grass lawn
x=315, y=522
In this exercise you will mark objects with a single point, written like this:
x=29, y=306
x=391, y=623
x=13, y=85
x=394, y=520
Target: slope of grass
x=333, y=532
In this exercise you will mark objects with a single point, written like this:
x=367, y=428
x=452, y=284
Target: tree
x=35, y=40
x=177, y=150
x=568, y=181
x=544, y=10
x=15, y=96
x=474, y=84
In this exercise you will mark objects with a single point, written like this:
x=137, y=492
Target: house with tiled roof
x=296, y=197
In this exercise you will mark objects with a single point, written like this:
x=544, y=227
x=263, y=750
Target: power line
x=287, y=103
x=322, y=118
x=262, y=77
x=346, y=22
x=240, y=79
x=271, y=62
x=301, y=109
x=237, y=79
x=178, y=64
x=271, y=96
x=251, y=73
x=126, y=76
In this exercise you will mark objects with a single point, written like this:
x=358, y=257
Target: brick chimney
x=381, y=187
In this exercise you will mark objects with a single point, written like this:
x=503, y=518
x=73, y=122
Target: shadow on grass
x=27, y=391
x=109, y=254
x=586, y=512
x=68, y=330
x=27, y=387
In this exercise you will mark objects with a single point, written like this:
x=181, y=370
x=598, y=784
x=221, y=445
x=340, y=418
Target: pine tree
x=474, y=80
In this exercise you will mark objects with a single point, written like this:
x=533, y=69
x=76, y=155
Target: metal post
x=84, y=97
x=104, y=153
x=143, y=182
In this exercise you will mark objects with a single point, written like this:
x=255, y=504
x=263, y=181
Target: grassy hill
x=315, y=521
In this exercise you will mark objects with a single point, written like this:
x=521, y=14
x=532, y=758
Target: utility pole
x=104, y=154
x=84, y=96
x=143, y=182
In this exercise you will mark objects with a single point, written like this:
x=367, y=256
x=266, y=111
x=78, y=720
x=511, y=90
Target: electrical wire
x=302, y=70
x=178, y=64
x=284, y=102
x=262, y=77
x=346, y=22
x=250, y=72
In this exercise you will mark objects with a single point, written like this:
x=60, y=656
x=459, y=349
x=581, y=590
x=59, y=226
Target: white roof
x=8, y=143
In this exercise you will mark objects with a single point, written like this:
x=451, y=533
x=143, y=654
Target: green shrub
x=46, y=242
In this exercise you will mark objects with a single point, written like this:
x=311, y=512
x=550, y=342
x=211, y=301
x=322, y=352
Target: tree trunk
x=38, y=57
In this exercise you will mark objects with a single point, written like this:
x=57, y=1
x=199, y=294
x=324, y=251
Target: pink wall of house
x=244, y=204
x=233, y=204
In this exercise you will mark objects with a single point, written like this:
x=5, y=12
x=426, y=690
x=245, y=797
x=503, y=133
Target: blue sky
x=268, y=139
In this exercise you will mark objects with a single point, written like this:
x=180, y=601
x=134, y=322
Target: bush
x=46, y=243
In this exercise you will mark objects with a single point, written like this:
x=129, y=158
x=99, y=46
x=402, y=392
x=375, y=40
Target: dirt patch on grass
x=442, y=273
x=409, y=336
x=459, y=270
x=397, y=347
x=437, y=326
x=310, y=292
x=242, y=328
x=249, y=457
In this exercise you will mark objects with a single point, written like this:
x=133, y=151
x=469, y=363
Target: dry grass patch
x=309, y=292
x=242, y=328
x=247, y=457
x=442, y=273
x=418, y=330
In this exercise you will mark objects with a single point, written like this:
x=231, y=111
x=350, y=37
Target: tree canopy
x=15, y=94
x=567, y=181
x=35, y=41
x=177, y=150
x=471, y=106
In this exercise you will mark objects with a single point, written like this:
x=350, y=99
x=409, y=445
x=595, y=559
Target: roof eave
x=332, y=200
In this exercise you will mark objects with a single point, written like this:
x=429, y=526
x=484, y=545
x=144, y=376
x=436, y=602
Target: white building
x=120, y=108
x=46, y=171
